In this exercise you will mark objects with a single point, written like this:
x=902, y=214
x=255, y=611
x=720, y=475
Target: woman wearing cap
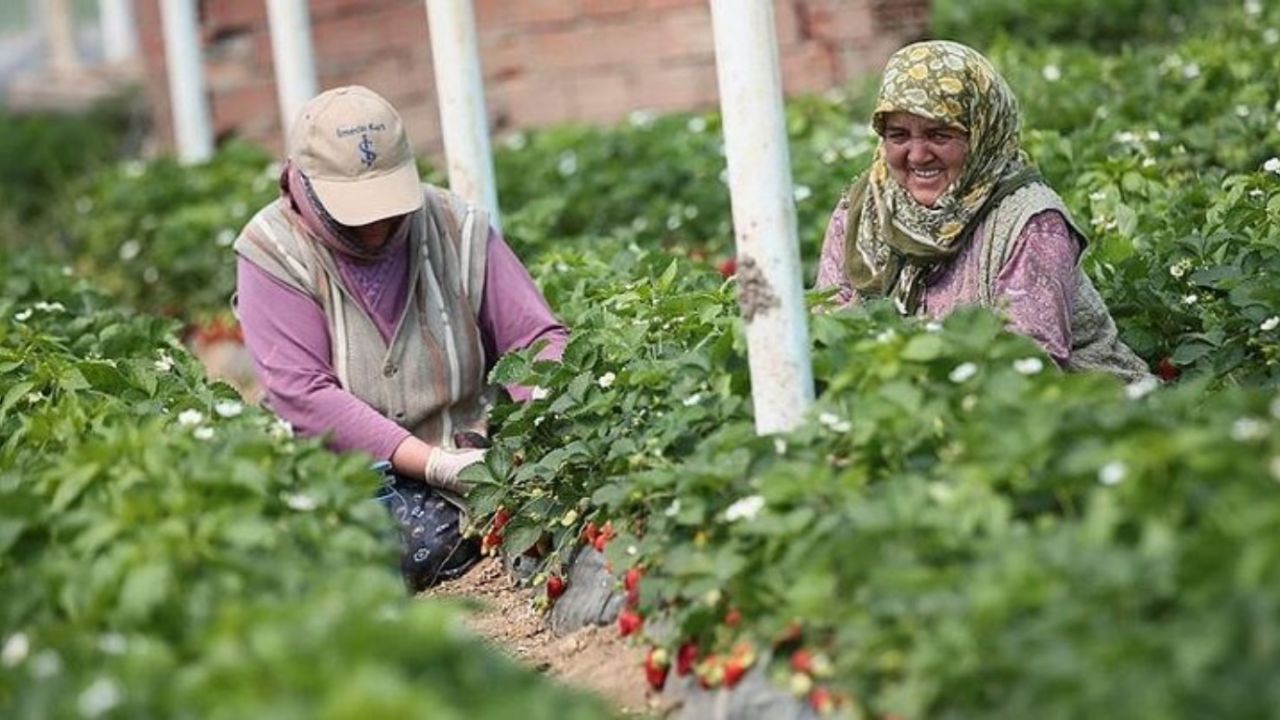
x=373, y=306
x=952, y=212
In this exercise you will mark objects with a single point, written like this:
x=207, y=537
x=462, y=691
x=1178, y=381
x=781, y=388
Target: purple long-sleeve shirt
x=1037, y=285
x=288, y=337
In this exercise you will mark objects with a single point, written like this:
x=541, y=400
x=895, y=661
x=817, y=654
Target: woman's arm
x=1037, y=286
x=288, y=338
x=513, y=313
x=831, y=263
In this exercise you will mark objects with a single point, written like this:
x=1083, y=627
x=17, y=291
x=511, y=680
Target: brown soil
x=594, y=659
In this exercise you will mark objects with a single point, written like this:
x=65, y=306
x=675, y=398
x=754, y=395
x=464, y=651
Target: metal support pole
x=192, y=127
x=119, y=31
x=61, y=33
x=463, y=121
x=764, y=215
x=294, y=58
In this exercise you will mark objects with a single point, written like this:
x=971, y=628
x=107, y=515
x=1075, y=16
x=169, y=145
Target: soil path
x=594, y=659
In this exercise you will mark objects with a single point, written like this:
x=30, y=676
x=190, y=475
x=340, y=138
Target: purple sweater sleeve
x=831, y=262
x=513, y=313
x=288, y=339
x=1038, y=284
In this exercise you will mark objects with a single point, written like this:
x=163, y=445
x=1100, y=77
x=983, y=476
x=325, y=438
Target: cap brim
x=360, y=202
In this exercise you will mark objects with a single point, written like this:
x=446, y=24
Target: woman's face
x=924, y=156
x=374, y=235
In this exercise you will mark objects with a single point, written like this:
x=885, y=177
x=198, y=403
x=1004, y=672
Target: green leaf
x=923, y=348
x=145, y=588
x=71, y=484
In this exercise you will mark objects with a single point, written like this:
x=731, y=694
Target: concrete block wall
x=545, y=61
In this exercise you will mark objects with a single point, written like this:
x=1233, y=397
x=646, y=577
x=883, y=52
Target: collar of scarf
x=893, y=243
x=302, y=199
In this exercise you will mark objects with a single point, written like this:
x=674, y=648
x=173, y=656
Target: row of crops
x=960, y=530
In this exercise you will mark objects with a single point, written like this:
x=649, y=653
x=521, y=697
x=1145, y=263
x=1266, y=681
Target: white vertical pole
x=192, y=127
x=61, y=33
x=459, y=85
x=295, y=62
x=764, y=215
x=119, y=31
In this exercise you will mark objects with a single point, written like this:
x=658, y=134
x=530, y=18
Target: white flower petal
x=16, y=649
x=190, y=417
x=746, y=508
x=228, y=408
x=1028, y=366
x=203, y=433
x=606, y=380
x=301, y=502
x=963, y=373
x=1113, y=473
x=103, y=695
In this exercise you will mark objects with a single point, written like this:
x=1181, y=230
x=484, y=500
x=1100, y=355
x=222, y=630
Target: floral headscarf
x=894, y=241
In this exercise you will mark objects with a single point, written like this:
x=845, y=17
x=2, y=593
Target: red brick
x=680, y=87
x=530, y=102
x=524, y=12
x=786, y=18
x=807, y=69
x=603, y=97
x=608, y=8
x=838, y=20
x=664, y=4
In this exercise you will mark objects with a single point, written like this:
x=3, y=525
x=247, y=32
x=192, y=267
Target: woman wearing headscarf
x=953, y=212
x=373, y=306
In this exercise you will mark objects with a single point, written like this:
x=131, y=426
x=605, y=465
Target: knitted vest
x=1095, y=344
x=430, y=379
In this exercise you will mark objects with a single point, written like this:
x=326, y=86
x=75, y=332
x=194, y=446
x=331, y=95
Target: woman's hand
x=443, y=466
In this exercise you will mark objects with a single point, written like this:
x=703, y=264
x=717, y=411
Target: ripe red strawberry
x=602, y=539
x=822, y=701
x=491, y=542
x=631, y=581
x=590, y=533
x=729, y=268
x=501, y=518
x=686, y=657
x=555, y=587
x=802, y=661
x=743, y=657
x=629, y=622
x=733, y=618
x=1167, y=371
x=656, y=667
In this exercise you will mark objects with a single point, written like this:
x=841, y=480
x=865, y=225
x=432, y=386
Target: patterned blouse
x=1038, y=283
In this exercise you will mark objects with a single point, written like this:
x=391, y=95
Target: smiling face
x=924, y=156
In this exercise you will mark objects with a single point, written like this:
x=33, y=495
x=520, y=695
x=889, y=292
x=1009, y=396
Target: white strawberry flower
x=539, y=393
x=16, y=649
x=606, y=380
x=1113, y=473
x=1249, y=429
x=203, y=433
x=102, y=696
x=23, y=315
x=692, y=400
x=1028, y=366
x=746, y=508
x=1272, y=165
x=190, y=417
x=1270, y=323
x=301, y=502
x=963, y=373
x=228, y=408
x=1051, y=73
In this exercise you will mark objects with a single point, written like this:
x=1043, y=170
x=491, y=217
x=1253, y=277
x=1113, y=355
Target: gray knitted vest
x=430, y=379
x=1095, y=344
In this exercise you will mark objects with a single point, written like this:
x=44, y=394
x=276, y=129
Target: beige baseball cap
x=350, y=143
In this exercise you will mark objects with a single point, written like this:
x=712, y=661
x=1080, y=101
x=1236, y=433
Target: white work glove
x=443, y=466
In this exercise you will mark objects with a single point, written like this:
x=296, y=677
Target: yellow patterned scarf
x=894, y=242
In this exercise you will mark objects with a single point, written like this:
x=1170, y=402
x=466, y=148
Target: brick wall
x=545, y=61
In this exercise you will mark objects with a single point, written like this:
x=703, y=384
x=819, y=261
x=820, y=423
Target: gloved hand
x=443, y=466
